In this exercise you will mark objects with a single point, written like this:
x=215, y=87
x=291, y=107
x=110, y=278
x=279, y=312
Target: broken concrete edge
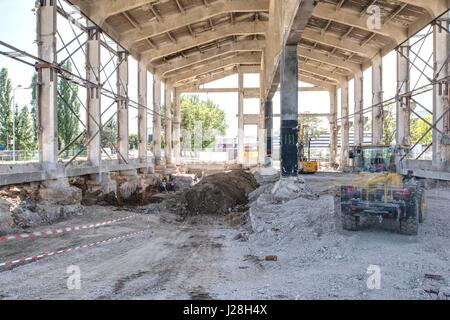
x=36, y=172
x=39, y=203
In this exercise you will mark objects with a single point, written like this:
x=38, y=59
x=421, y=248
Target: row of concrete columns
x=47, y=113
x=441, y=114
x=172, y=124
x=47, y=93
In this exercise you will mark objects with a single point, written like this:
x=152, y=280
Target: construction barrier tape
x=54, y=253
x=37, y=234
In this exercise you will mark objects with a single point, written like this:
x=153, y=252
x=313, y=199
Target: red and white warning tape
x=54, y=253
x=37, y=234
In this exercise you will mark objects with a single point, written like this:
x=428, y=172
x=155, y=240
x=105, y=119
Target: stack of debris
x=37, y=204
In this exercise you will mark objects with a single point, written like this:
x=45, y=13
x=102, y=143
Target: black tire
x=350, y=222
x=409, y=225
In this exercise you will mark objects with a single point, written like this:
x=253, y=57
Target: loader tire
x=409, y=225
x=350, y=222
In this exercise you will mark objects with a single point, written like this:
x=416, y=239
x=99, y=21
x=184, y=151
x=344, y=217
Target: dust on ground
x=234, y=258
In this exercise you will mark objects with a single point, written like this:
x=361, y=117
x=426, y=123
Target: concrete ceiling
x=189, y=42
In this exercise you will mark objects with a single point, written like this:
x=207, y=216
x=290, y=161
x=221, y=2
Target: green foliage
x=312, y=126
x=109, y=134
x=6, y=122
x=68, y=108
x=24, y=133
x=33, y=108
x=419, y=128
x=389, y=124
x=417, y=125
x=133, y=141
x=206, y=113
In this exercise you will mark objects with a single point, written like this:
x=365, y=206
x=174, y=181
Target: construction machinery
x=373, y=158
x=378, y=192
x=305, y=165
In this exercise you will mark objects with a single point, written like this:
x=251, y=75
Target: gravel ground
x=190, y=259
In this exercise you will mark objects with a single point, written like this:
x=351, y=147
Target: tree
x=389, y=124
x=109, y=134
x=312, y=126
x=33, y=109
x=24, y=133
x=6, y=122
x=419, y=128
x=133, y=141
x=206, y=114
x=68, y=110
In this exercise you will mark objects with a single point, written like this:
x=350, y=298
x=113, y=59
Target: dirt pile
x=218, y=193
x=214, y=195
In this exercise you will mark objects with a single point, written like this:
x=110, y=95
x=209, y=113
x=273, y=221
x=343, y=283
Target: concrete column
x=168, y=124
x=142, y=111
x=262, y=133
x=333, y=126
x=269, y=127
x=122, y=106
x=176, y=127
x=93, y=97
x=157, y=120
x=345, y=127
x=403, y=103
x=48, y=81
x=377, y=98
x=441, y=96
x=359, y=116
x=240, y=147
x=289, y=111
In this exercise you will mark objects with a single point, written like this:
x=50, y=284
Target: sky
x=18, y=29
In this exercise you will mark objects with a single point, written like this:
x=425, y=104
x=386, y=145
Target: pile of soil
x=217, y=194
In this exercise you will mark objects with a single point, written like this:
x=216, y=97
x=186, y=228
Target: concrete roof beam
x=340, y=63
x=242, y=28
x=346, y=45
x=192, y=16
x=180, y=63
x=354, y=19
x=244, y=59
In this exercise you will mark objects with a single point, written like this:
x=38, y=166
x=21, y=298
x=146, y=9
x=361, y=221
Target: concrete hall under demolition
x=231, y=220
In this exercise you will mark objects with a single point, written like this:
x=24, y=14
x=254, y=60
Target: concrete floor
x=192, y=260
